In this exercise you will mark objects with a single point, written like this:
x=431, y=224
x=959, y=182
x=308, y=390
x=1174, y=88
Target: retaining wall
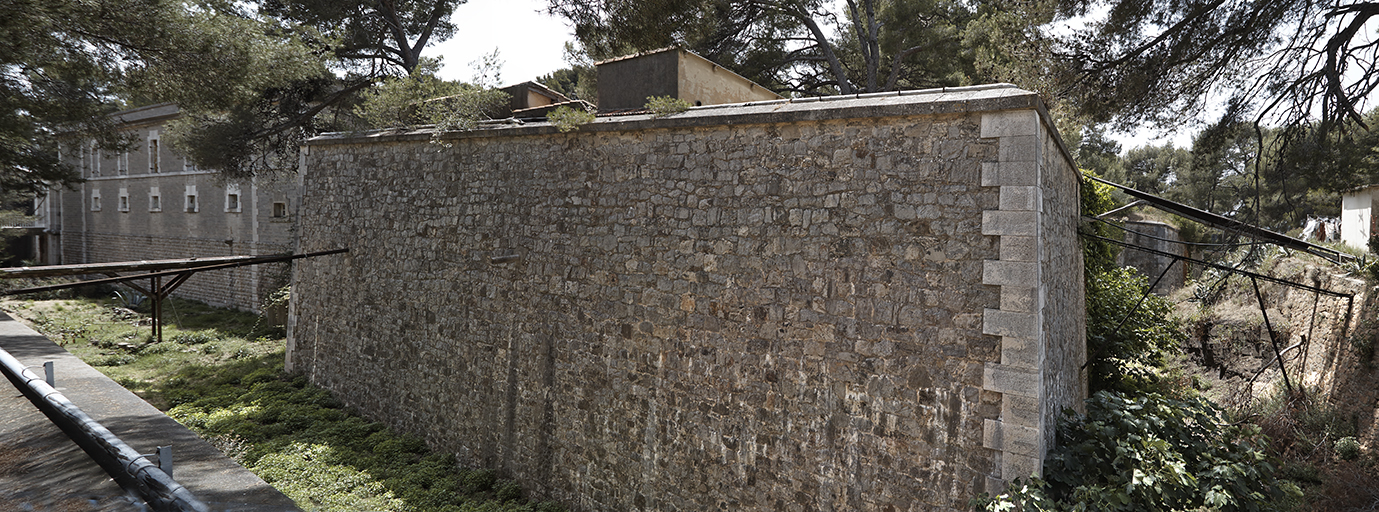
x=866, y=303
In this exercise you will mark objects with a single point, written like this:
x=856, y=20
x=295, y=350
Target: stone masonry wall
x=1161, y=237
x=779, y=306
x=1041, y=317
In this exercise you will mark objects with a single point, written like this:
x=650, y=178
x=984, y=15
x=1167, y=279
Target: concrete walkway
x=42, y=470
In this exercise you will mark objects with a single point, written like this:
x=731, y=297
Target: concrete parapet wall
x=818, y=305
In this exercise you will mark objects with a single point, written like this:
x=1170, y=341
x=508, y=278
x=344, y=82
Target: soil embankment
x=1327, y=342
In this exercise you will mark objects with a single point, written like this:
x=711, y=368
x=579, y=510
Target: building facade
x=149, y=203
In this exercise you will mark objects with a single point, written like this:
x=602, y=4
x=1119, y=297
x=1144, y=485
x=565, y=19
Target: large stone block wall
x=776, y=306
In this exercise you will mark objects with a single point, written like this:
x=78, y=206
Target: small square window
x=155, y=204
x=280, y=209
x=232, y=204
x=124, y=203
x=190, y=206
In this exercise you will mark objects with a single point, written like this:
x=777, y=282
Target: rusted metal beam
x=123, y=279
x=1229, y=224
x=120, y=266
x=158, y=290
x=1273, y=340
x=1208, y=264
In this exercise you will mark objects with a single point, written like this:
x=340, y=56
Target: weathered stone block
x=1019, y=248
x=1016, y=439
x=1021, y=352
x=1009, y=323
x=1020, y=410
x=1010, y=123
x=1019, y=299
x=1021, y=148
x=998, y=222
x=1011, y=380
x=1018, y=174
x=1022, y=274
x=1020, y=198
x=1019, y=466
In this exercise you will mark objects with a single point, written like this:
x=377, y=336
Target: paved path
x=42, y=470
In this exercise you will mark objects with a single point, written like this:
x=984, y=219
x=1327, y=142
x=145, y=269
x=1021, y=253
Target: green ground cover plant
x=220, y=373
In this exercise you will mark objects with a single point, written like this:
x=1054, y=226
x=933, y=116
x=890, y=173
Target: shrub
x=1150, y=453
x=195, y=337
x=115, y=360
x=1129, y=333
x=1097, y=256
x=1347, y=448
x=568, y=119
x=662, y=106
x=1300, y=423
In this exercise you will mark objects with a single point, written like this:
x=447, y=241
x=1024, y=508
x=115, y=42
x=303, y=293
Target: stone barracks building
x=149, y=203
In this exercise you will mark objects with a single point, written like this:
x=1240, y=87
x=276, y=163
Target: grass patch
x=220, y=373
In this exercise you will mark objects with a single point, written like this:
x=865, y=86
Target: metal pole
x=1147, y=291
x=1272, y=340
x=1097, y=352
x=157, y=297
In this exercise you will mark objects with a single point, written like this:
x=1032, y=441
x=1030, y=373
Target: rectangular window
x=191, y=199
x=153, y=156
x=95, y=159
x=124, y=199
x=232, y=198
x=122, y=163
x=155, y=200
x=280, y=209
x=187, y=165
x=95, y=199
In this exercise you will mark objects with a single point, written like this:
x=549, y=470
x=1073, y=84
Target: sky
x=529, y=42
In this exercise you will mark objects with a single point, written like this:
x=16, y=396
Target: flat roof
x=946, y=100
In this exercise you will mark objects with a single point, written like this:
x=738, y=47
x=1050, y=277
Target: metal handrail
x=123, y=463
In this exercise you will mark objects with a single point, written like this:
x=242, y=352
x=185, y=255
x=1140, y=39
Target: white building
x=1357, y=216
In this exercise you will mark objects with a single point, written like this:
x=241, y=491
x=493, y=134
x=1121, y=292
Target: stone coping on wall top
x=982, y=98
